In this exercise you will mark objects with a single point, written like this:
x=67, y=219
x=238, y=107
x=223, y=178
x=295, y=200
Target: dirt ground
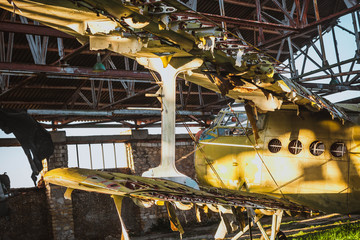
x=290, y=226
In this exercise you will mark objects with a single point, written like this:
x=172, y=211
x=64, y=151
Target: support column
x=168, y=71
x=61, y=209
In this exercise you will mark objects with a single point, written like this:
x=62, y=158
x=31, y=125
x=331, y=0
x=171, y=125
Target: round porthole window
x=274, y=145
x=317, y=148
x=295, y=147
x=338, y=149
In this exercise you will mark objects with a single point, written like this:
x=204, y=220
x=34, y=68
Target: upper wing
x=139, y=30
x=150, y=190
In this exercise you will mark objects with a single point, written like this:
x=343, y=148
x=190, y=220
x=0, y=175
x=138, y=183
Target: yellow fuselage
x=320, y=181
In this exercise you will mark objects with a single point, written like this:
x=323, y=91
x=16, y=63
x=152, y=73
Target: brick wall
x=148, y=155
x=45, y=214
x=60, y=208
x=29, y=216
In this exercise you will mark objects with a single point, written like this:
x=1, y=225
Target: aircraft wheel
x=280, y=236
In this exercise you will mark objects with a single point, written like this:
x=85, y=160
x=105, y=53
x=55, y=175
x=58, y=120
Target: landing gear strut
x=276, y=234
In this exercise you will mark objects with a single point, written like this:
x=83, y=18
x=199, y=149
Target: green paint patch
x=348, y=231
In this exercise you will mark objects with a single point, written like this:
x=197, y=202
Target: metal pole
x=259, y=18
x=181, y=94
x=305, y=59
x=292, y=60
x=115, y=155
x=102, y=154
x=77, y=155
x=250, y=231
x=91, y=164
x=357, y=37
x=222, y=13
x=336, y=52
x=317, y=16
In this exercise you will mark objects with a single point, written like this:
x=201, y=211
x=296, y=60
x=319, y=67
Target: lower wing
x=156, y=189
x=148, y=191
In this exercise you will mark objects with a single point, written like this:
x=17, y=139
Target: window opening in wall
x=338, y=149
x=317, y=148
x=98, y=156
x=295, y=147
x=274, y=145
x=14, y=162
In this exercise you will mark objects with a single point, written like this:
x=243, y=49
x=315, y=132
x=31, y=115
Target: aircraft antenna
x=253, y=145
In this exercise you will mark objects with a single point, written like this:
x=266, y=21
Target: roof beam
x=105, y=89
x=19, y=69
x=286, y=13
x=109, y=113
x=12, y=142
x=245, y=22
x=32, y=29
x=307, y=28
x=332, y=88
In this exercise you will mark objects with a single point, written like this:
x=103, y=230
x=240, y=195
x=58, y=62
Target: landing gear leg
x=252, y=221
x=276, y=234
x=280, y=236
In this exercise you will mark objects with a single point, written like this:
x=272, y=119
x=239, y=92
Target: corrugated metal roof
x=52, y=93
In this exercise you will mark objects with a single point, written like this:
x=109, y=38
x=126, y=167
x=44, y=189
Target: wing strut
x=169, y=68
x=275, y=226
x=118, y=204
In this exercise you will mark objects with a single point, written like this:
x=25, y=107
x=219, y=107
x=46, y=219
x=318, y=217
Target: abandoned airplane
x=299, y=152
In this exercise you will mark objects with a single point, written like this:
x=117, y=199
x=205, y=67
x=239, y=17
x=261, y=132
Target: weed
x=343, y=232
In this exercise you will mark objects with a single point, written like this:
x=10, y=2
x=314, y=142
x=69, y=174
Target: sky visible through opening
x=13, y=159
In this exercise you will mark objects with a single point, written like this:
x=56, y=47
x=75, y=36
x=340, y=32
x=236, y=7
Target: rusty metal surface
x=43, y=92
x=150, y=189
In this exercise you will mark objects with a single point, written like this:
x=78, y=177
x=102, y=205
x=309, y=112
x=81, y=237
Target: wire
x=204, y=154
x=257, y=152
x=233, y=34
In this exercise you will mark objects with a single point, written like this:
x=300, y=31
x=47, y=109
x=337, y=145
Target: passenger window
x=317, y=148
x=295, y=147
x=338, y=149
x=274, y=145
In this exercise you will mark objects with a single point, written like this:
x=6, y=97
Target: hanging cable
x=200, y=148
x=233, y=34
x=257, y=152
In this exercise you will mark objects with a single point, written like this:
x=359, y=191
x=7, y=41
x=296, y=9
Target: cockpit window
x=232, y=123
x=228, y=123
x=260, y=122
x=231, y=119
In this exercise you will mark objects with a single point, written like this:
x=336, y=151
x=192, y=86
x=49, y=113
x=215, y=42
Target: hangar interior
x=56, y=79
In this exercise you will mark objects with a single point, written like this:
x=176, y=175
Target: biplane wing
x=155, y=189
x=172, y=30
x=148, y=191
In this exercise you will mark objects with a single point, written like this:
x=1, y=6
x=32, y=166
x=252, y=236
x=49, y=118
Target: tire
x=280, y=236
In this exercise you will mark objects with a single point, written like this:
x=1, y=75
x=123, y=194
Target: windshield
x=228, y=123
